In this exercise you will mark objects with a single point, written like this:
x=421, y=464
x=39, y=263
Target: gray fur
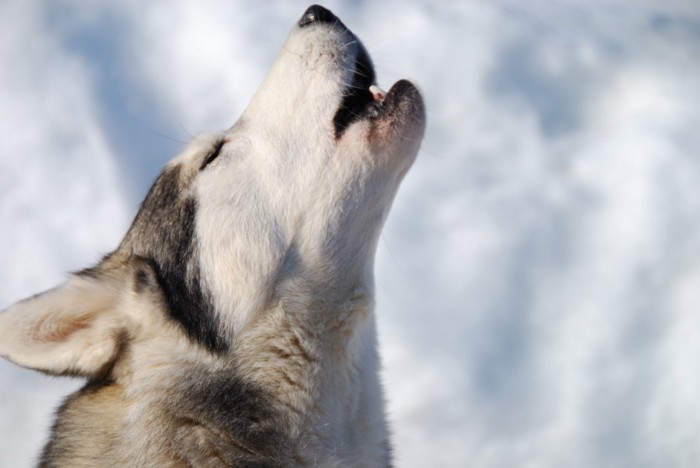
x=234, y=324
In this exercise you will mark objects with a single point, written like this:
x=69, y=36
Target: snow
x=539, y=277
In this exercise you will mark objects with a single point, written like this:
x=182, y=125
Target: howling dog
x=234, y=323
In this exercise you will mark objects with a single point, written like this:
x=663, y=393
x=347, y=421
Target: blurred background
x=539, y=277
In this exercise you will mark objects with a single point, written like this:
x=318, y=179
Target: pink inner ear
x=54, y=328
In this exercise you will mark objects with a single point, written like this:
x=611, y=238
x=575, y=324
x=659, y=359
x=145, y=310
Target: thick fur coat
x=234, y=324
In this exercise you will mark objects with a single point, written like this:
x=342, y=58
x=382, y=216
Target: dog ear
x=74, y=329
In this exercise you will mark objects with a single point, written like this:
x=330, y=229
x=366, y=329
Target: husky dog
x=234, y=324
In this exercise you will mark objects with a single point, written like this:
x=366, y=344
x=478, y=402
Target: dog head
x=288, y=201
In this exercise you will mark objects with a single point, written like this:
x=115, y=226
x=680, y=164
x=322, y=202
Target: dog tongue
x=377, y=92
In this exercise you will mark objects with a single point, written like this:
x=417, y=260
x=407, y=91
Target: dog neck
x=319, y=361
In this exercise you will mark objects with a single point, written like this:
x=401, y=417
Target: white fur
x=285, y=183
x=287, y=221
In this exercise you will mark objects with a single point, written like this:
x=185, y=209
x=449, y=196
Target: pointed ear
x=75, y=329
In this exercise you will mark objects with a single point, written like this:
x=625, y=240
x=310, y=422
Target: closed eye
x=213, y=154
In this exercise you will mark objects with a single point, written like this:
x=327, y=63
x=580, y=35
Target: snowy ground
x=539, y=278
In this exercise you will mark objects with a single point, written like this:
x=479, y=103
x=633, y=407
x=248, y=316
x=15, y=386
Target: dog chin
x=400, y=115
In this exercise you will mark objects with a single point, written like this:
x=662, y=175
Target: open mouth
x=362, y=98
x=359, y=95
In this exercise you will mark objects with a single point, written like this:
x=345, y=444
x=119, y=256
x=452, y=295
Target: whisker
x=288, y=50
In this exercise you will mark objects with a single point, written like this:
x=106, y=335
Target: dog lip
x=402, y=103
x=400, y=88
x=403, y=91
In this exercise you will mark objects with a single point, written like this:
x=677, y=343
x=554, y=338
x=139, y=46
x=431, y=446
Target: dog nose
x=316, y=13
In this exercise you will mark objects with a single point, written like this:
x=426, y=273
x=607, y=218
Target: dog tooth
x=377, y=92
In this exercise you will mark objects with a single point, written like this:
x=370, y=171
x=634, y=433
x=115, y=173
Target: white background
x=539, y=277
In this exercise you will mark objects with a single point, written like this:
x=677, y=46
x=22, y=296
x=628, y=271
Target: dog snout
x=317, y=14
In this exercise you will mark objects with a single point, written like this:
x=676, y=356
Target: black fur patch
x=163, y=233
x=357, y=98
x=239, y=411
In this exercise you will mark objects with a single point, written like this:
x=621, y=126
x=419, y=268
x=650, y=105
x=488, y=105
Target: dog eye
x=213, y=154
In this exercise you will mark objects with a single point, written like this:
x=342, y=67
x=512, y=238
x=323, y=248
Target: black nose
x=316, y=13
